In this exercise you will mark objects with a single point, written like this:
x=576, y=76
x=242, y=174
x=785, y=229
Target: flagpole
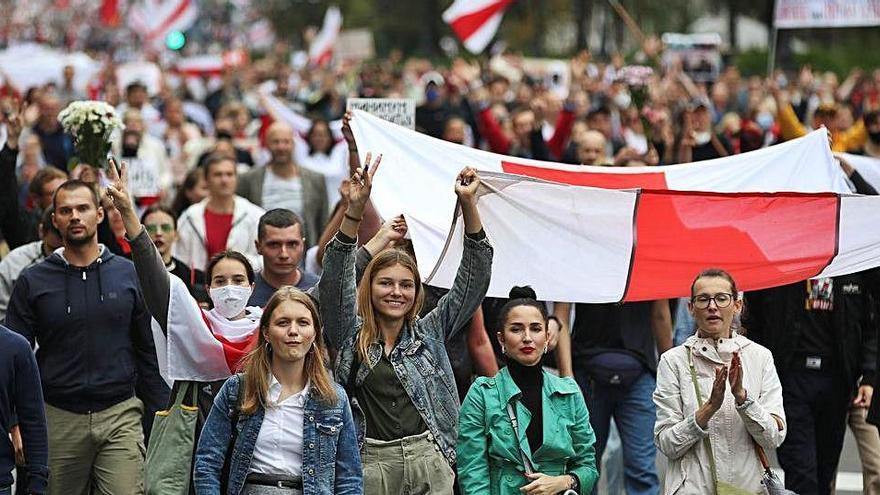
x=771, y=62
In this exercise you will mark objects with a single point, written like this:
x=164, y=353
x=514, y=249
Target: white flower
x=99, y=114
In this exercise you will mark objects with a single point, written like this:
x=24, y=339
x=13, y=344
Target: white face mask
x=230, y=300
x=622, y=99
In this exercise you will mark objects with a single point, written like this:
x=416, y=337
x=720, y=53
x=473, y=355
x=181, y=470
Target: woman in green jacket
x=550, y=449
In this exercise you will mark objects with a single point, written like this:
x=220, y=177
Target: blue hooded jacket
x=93, y=330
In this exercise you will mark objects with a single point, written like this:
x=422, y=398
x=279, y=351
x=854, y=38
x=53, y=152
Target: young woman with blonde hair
x=394, y=364
x=282, y=422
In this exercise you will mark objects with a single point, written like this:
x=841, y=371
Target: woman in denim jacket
x=395, y=366
x=283, y=423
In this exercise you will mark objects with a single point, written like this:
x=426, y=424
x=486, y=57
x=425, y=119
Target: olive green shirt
x=389, y=411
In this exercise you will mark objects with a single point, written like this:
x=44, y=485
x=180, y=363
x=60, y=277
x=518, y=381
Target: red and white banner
x=583, y=244
x=210, y=65
x=622, y=243
x=154, y=19
x=826, y=13
x=321, y=48
x=475, y=22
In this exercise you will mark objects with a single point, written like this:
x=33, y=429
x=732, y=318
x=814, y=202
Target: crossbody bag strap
x=513, y=422
x=706, y=440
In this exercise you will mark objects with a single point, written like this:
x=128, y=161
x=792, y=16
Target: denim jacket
x=419, y=358
x=331, y=460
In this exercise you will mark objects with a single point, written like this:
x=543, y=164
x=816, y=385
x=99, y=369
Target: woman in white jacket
x=711, y=440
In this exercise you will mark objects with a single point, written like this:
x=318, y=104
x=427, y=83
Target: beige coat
x=731, y=429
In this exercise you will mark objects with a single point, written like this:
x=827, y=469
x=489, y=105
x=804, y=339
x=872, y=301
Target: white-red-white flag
x=154, y=19
x=321, y=48
x=776, y=215
x=475, y=22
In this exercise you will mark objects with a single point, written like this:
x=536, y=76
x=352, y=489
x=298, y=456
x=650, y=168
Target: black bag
x=615, y=368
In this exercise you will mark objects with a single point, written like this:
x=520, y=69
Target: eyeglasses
x=166, y=228
x=722, y=300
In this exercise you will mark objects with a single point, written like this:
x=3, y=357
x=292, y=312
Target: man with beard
x=97, y=362
x=284, y=184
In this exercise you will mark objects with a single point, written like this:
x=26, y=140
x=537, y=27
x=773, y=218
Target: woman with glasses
x=161, y=225
x=718, y=397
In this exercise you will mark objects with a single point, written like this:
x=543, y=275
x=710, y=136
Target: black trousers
x=816, y=405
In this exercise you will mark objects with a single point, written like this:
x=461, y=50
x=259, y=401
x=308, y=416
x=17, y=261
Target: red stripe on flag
x=233, y=352
x=763, y=240
x=170, y=20
x=468, y=24
x=651, y=180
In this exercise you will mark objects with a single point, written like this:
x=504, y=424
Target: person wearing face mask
x=195, y=347
x=541, y=441
x=395, y=366
x=282, y=426
x=431, y=114
x=698, y=141
x=718, y=398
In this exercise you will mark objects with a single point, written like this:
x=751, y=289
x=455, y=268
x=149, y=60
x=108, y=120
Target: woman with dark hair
x=282, y=422
x=322, y=153
x=191, y=191
x=696, y=408
x=195, y=348
x=394, y=364
x=525, y=430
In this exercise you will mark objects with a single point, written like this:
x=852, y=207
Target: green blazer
x=489, y=460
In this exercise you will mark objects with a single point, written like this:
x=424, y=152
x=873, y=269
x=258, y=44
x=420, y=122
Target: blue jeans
x=633, y=411
x=612, y=463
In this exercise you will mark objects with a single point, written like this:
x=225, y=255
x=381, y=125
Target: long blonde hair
x=257, y=365
x=369, y=331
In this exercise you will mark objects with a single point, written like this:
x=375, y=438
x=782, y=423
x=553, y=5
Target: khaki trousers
x=408, y=466
x=868, y=442
x=104, y=450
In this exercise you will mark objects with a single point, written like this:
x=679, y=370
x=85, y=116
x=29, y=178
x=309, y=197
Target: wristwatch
x=575, y=483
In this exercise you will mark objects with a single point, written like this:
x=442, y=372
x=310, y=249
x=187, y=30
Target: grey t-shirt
x=263, y=291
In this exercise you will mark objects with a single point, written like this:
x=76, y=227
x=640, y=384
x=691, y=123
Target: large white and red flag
x=475, y=22
x=321, y=47
x=152, y=20
x=201, y=345
x=774, y=216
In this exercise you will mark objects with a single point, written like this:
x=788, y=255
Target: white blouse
x=279, y=445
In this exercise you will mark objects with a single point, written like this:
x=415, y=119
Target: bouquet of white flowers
x=90, y=123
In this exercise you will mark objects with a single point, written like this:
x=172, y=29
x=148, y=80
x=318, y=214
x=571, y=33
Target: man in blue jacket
x=21, y=402
x=84, y=309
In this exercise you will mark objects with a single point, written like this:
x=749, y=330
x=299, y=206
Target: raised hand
x=14, y=125
x=735, y=377
x=394, y=229
x=466, y=185
x=347, y=133
x=361, y=185
x=117, y=190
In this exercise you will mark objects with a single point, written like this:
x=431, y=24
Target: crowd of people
x=226, y=277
